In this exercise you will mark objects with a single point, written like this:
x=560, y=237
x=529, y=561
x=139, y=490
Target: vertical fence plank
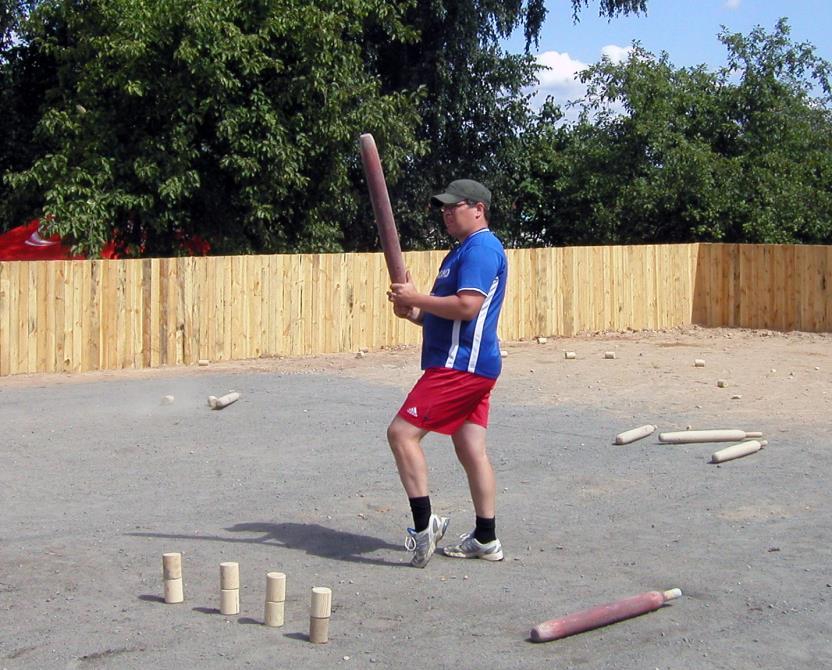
x=5, y=321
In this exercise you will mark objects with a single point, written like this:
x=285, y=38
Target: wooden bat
x=382, y=210
x=684, y=436
x=737, y=450
x=602, y=615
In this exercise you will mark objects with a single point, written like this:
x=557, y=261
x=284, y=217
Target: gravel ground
x=99, y=478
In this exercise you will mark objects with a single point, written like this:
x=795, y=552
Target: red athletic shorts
x=443, y=399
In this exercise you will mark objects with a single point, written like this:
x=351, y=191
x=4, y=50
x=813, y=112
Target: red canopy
x=24, y=243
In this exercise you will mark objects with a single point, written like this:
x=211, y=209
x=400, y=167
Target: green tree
x=662, y=154
x=236, y=121
x=22, y=80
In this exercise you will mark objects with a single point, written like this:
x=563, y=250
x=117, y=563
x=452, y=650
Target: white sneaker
x=423, y=544
x=469, y=547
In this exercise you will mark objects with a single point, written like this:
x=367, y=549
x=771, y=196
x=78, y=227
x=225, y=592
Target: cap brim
x=446, y=199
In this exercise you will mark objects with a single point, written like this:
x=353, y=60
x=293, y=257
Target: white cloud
x=616, y=53
x=732, y=4
x=560, y=78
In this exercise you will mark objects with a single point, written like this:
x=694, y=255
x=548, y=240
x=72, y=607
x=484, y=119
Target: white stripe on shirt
x=475, y=345
x=452, y=352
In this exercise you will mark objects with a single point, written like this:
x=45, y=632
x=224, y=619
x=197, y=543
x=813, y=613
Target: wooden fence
x=76, y=316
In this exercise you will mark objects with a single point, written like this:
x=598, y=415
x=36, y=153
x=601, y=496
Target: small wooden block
x=321, y=602
x=229, y=575
x=172, y=565
x=318, y=630
x=174, y=591
x=275, y=587
x=229, y=601
x=609, y=354
x=570, y=355
x=274, y=614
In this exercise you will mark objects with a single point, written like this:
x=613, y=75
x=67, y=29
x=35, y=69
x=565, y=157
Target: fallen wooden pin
x=738, y=450
x=602, y=615
x=635, y=434
x=684, y=436
x=223, y=401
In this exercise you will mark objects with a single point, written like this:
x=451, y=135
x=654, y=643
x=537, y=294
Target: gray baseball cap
x=463, y=189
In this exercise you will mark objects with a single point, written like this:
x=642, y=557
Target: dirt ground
x=100, y=477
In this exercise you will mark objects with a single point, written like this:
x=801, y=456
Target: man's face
x=463, y=218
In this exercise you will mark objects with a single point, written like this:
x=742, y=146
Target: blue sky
x=686, y=29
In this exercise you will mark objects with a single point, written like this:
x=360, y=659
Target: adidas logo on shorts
x=412, y=411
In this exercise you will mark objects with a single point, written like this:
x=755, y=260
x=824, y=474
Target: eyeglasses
x=452, y=208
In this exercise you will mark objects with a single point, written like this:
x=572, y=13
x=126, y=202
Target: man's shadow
x=311, y=538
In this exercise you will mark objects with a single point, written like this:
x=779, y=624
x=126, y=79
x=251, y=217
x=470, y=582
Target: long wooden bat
x=685, y=436
x=382, y=210
x=602, y=615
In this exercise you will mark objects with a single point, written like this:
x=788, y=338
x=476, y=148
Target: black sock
x=420, y=507
x=486, y=530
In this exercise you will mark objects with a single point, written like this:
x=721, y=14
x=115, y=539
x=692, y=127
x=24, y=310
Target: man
x=461, y=362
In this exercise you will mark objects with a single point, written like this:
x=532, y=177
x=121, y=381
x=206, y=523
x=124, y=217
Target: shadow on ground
x=311, y=538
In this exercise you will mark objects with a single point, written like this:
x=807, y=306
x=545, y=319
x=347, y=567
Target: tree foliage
x=239, y=120
x=235, y=120
x=662, y=154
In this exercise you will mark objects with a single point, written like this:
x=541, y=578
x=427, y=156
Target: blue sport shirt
x=477, y=264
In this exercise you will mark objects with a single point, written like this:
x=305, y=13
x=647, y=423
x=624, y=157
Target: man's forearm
x=451, y=307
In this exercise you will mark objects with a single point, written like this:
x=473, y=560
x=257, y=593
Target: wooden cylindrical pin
x=172, y=565
x=569, y=355
x=274, y=614
x=223, y=401
x=229, y=575
x=635, y=434
x=275, y=587
x=609, y=354
x=318, y=630
x=738, y=451
x=172, y=576
x=275, y=599
x=174, y=591
x=229, y=601
x=319, y=614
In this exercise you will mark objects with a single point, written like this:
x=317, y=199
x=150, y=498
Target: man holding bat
x=461, y=362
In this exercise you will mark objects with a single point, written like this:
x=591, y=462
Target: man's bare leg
x=469, y=442
x=406, y=443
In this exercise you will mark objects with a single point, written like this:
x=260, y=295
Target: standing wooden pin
x=229, y=588
x=319, y=614
x=275, y=598
x=172, y=575
x=382, y=210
